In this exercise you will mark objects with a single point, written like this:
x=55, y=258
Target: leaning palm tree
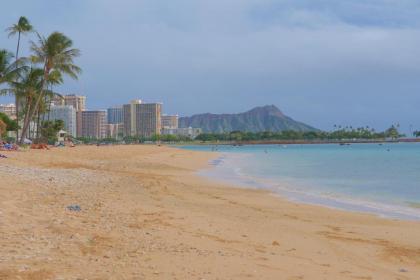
x=56, y=54
x=27, y=88
x=9, y=72
x=22, y=27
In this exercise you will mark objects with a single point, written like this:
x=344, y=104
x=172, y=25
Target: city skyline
x=321, y=62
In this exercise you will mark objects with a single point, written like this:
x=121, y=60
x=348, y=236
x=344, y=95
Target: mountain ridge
x=262, y=118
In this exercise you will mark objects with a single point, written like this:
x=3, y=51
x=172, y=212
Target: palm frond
x=11, y=31
x=23, y=26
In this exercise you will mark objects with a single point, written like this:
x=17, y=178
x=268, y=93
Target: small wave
x=218, y=161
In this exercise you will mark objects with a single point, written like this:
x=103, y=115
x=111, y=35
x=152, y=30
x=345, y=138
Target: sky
x=323, y=62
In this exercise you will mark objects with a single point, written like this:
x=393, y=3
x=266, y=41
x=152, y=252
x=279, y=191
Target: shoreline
x=146, y=214
x=301, y=142
x=334, y=201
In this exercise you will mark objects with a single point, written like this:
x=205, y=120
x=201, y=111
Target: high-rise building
x=93, y=124
x=169, y=121
x=148, y=119
x=115, y=115
x=9, y=110
x=77, y=101
x=129, y=117
x=142, y=119
x=67, y=114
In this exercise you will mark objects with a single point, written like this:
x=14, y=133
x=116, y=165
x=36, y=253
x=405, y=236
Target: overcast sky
x=324, y=62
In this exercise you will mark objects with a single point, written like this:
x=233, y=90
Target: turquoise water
x=381, y=179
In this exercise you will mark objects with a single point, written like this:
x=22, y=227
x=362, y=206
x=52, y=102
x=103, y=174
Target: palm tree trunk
x=49, y=104
x=49, y=110
x=46, y=99
x=37, y=124
x=28, y=108
x=37, y=103
x=16, y=97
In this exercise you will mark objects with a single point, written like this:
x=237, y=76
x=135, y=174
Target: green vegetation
x=416, y=133
x=156, y=138
x=340, y=134
x=174, y=138
x=49, y=131
x=135, y=139
x=31, y=79
x=8, y=70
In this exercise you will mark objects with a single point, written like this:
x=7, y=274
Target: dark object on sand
x=2, y=156
x=74, y=207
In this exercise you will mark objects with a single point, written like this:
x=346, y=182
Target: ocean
x=383, y=179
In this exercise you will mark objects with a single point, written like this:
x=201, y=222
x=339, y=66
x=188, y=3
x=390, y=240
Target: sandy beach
x=145, y=214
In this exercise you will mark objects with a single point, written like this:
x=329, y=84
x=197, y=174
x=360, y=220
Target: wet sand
x=145, y=214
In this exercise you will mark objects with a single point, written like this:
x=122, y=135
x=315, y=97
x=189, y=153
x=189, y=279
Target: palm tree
x=22, y=27
x=56, y=54
x=7, y=70
x=27, y=88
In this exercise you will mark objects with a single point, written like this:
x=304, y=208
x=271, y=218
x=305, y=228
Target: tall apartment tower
x=129, y=117
x=67, y=114
x=169, y=121
x=148, y=119
x=142, y=119
x=93, y=124
x=77, y=101
x=115, y=115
